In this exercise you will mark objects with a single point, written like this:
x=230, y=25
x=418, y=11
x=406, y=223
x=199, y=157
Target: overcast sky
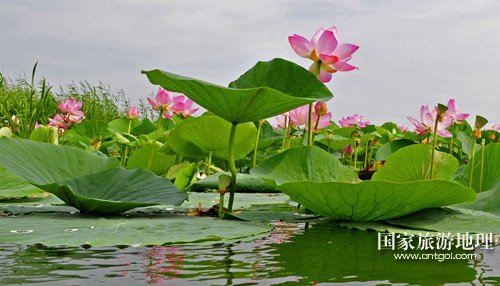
x=411, y=52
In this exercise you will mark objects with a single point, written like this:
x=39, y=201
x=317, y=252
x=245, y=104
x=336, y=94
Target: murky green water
x=320, y=254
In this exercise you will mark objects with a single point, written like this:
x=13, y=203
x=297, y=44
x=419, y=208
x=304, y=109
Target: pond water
x=294, y=254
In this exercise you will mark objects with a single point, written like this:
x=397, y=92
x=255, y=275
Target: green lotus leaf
x=121, y=125
x=75, y=230
x=197, y=137
x=268, y=89
x=247, y=183
x=413, y=163
x=161, y=162
x=389, y=148
x=336, y=142
x=309, y=163
x=44, y=164
x=90, y=183
x=491, y=169
x=12, y=186
x=450, y=219
x=45, y=134
x=375, y=200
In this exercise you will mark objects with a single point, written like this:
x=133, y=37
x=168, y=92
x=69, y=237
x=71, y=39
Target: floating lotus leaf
x=268, y=89
x=90, y=183
x=197, y=137
x=247, y=183
x=75, y=230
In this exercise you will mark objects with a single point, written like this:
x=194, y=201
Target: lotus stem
x=434, y=146
x=287, y=138
x=483, y=143
x=310, y=125
x=209, y=162
x=221, y=204
x=125, y=152
x=254, y=155
x=157, y=134
x=366, y=154
x=315, y=127
x=472, y=162
x=370, y=154
x=451, y=140
x=232, y=168
x=285, y=133
x=356, y=148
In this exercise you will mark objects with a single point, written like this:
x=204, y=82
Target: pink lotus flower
x=427, y=120
x=132, y=112
x=354, y=120
x=321, y=108
x=299, y=118
x=324, y=121
x=403, y=128
x=38, y=125
x=162, y=101
x=59, y=121
x=453, y=113
x=183, y=105
x=495, y=127
x=281, y=120
x=71, y=106
x=324, y=50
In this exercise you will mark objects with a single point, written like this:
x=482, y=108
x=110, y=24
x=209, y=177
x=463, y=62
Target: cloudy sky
x=411, y=52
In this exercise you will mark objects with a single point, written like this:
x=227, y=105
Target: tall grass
x=31, y=102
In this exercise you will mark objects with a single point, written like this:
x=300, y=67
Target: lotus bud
x=132, y=112
x=477, y=133
x=15, y=120
x=321, y=108
x=347, y=151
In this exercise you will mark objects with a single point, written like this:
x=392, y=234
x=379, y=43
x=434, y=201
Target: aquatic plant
x=266, y=90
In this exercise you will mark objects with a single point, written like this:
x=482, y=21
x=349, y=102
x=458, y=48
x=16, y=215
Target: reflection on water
x=295, y=254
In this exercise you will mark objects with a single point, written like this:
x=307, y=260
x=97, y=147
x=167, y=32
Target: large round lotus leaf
x=247, y=183
x=491, y=169
x=197, y=137
x=121, y=125
x=90, y=183
x=43, y=163
x=389, y=148
x=305, y=164
x=375, y=200
x=161, y=162
x=268, y=89
x=76, y=230
x=12, y=186
x=336, y=142
x=413, y=163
